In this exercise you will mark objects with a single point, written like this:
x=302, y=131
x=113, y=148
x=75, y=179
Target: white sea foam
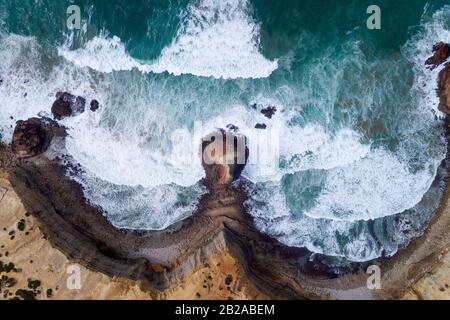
x=29, y=85
x=113, y=165
x=217, y=39
x=119, y=159
x=17, y=98
x=102, y=54
x=376, y=186
x=417, y=50
x=281, y=148
x=317, y=235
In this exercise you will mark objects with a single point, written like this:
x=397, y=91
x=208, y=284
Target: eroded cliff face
x=50, y=270
x=441, y=53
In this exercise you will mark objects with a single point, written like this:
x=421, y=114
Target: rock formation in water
x=269, y=111
x=67, y=105
x=161, y=258
x=32, y=137
x=224, y=156
x=94, y=105
x=441, y=54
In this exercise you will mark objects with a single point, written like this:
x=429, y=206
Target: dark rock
x=67, y=105
x=223, y=162
x=232, y=127
x=441, y=53
x=260, y=126
x=30, y=138
x=444, y=90
x=94, y=105
x=269, y=111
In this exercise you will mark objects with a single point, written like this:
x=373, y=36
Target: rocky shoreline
x=161, y=259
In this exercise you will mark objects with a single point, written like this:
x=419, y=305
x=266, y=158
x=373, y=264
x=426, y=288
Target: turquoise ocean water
x=357, y=132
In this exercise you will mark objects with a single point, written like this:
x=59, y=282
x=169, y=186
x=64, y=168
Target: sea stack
x=224, y=156
x=30, y=138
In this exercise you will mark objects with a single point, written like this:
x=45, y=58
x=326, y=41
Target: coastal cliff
x=160, y=260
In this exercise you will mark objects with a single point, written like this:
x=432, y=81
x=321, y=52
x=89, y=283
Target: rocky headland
x=162, y=260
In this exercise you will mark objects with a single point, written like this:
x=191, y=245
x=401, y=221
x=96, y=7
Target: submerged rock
x=224, y=156
x=441, y=54
x=67, y=105
x=31, y=138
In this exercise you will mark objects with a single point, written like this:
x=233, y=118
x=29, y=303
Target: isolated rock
x=31, y=137
x=441, y=54
x=260, y=126
x=67, y=105
x=224, y=156
x=94, y=105
x=269, y=111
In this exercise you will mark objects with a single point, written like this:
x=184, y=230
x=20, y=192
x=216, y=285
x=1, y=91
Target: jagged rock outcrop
x=224, y=156
x=269, y=111
x=444, y=89
x=67, y=105
x=441, y=52
x=31, y=137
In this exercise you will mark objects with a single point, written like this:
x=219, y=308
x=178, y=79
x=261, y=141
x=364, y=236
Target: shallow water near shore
x=359, y=136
